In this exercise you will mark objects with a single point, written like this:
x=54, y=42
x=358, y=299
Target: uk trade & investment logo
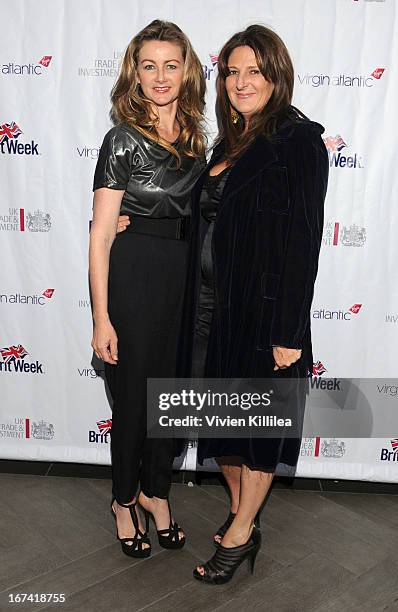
x=210, y=71
x=32, y=68
x=337, y=315
x=19, y=220
x=103, y=434
x=23, y=428
x=334, y=145
x=102, y=66
x=13, y=360
x=9, y=143
x=34, y=299
x=332, y=449
x=337, y=234
x=390, y=455
x=341, y=80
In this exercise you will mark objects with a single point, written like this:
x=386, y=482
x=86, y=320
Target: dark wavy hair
x=130, y=106
x=275, y=65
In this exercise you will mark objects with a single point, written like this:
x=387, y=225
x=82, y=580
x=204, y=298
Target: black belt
x=176, y=229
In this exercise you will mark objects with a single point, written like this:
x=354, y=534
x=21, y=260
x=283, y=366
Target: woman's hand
x=285, y=357
x=122, y=223
x=104, y=342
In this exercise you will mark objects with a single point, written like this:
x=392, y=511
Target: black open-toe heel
x=226, y=561
x=224, y=528
x=134, y=547
x=168, y=538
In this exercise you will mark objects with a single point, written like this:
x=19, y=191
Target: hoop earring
x=234, y=115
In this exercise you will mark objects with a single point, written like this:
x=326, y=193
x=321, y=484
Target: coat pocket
x=269, y=285
x=273, y=190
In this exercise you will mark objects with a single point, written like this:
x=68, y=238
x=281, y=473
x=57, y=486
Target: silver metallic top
x=147, y=172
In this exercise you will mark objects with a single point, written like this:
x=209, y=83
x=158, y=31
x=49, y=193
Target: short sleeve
x=114, y=160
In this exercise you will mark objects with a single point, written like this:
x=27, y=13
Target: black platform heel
x=168, y=538
x=134, y=547
x=224, y=528
x=226, y=561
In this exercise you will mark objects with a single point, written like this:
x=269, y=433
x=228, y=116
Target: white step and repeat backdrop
x=58, y=61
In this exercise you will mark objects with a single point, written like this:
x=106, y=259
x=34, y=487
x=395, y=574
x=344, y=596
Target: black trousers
x=146, y=287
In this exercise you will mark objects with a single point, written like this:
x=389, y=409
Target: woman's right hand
x=122, y=223
x=104, y=342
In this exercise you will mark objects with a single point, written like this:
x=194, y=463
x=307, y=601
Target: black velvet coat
x=265, y=248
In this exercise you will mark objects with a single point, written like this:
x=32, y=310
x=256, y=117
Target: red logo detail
x=48, y=293
x=213, y=59
x=9, y=131
x=334, y=143
x=11, y=353
x=318, y=368
x=394, y=445
x=45, y=60
x=104, y=426
x=378, y=73
x=355, y=308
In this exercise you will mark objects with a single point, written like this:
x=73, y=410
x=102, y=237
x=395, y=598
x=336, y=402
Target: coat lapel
x=259, y=155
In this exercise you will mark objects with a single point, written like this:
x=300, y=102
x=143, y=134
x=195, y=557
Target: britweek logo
x=318, y=368
x=337, y=315
x=32, y=68
x=103, y=434
x=13, y=360
x=22, y=427
x=9, y=143
x=390, y=455
x=210, y=71
x=102, y=66
x=19, y=220
x=336, y=233
x=340, y=80
x=334, y=145
x=32, y=299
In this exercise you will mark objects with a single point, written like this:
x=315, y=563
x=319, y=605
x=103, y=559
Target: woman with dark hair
x=257, y=223
x=147, y=166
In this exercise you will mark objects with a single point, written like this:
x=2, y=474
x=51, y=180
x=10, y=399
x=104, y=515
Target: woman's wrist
x=101, y=317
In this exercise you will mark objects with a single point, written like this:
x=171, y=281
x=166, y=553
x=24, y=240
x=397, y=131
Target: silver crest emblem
x=332, y=448
x=39, y=221
x=43, y=430
x=353, y=235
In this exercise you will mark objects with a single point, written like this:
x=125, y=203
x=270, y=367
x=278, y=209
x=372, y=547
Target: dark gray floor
x=324, y=552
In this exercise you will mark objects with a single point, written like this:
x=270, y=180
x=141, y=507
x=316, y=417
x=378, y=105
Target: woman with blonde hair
x=147, y=167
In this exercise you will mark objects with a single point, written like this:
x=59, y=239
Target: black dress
x=210, y=197
x=146, y=284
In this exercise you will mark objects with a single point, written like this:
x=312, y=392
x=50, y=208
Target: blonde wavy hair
x=130, y=106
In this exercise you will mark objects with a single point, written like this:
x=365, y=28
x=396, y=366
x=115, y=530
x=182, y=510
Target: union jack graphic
x=378, y=73
x=394, y=445
x=8, y=131
x=213, y=59
x=318, y=368
x=334, y=143
x=104, y=426
x=45, y=60
x=355, y=308
x=11, y=353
